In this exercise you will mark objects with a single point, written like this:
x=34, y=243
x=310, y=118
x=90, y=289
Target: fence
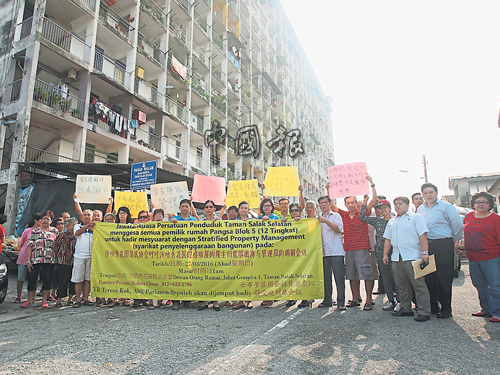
x=109, y=67
x=53, y=97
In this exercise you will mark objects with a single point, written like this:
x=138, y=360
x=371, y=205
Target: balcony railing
x=219, y=74
x=88, y=3
x=201, y=21
x=154, y=11
x=232, y=115
x=113, y=21
x=147, y=139
x=200, y=55
x=109, y=67
x=149, y=48
x=179, y=33
x=200, y=88
x=12, y=92
x=233, y=58
x=231, y=142
x=174, y=74
x=218, y=42
x=175, y=109
x=65, y=40
x=201, y=125
x=53, y=97
x=185, y=5
x=36, y=155
x=148, y=91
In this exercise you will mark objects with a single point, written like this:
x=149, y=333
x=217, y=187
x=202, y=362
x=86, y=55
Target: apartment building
x=204, y=87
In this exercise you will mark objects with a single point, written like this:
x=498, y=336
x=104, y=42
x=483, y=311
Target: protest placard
x=282, y=182
x=135, y=202
x=93, y=188
x=209, y=187
x=168, y=196
x=247, y=260
x=245, y=190
x=348, y=180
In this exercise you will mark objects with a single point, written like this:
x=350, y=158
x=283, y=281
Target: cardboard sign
x=246, y=190
x=168, y=196
x=135, y=202
x=209, y=187
x=93, y=188
x=348, y=180
x=282, y=182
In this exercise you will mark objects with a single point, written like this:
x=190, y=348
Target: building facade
x=464, y=187
x=207, y=87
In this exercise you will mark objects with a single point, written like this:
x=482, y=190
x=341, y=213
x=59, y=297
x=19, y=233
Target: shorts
x=374, y=274
x=358, y=261
x=22, y=272
x=81, y=270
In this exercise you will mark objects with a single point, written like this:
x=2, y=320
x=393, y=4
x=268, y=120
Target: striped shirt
x=355, y=232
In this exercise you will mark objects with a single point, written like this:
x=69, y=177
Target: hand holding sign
x=93, y=188
x=209, y=187
x=347, y=180
x=135, y=202
x=282, y=181
x=168, y=196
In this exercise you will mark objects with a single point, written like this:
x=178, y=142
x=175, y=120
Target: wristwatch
x=425, y=252
x=372, y=185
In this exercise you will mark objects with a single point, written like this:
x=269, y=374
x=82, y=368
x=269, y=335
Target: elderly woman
x=41, y=257
x=64, y=249
x=482, y=246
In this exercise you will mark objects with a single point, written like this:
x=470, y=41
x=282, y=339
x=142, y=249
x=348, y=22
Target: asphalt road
x=281, y=340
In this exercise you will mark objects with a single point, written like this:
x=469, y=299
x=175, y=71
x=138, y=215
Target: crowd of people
x=366, y=242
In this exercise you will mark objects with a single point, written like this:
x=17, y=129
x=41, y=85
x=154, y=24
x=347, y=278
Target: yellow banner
x=205, y=260
x=281, y=181
x=134, y=201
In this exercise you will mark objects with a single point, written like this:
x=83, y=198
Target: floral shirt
x=379, y=224
x=64, y=248
x=43, y=245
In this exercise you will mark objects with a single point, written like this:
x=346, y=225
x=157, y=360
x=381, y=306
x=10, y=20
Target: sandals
x=202, y=307
x=45, y=305
x=341, y=308
x=17, y=300
x=352, y=303
x=216, y=308
x=113, y=304
x=249, y=306
x=494, y=319
x=26, y=304
x=239, y=306
x=58, y=305
x=368, y=306
x=77, y=304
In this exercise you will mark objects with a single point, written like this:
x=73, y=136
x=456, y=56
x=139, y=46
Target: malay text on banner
x=205, y=260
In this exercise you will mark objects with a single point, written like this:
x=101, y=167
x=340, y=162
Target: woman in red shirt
x=482, y=245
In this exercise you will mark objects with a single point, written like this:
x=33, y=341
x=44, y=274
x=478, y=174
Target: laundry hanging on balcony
x=116, y=121
x=178, y=68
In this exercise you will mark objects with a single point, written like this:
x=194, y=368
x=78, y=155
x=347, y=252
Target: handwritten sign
x=246, y=190
x=282, y=181
x=135, y=202
x=348, y=180
x=209, y=187
x=168, y=196
x=93, y=188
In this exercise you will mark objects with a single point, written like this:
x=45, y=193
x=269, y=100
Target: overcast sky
x=408, y=78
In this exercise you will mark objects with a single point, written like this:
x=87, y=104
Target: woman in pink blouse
x=22, y=268
x=41, y=256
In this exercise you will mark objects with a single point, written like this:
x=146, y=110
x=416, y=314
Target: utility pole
x=424, y=163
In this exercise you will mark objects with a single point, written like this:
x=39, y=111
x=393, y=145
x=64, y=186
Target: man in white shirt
x=407, y=234
x=83, y=258
x=333, y=253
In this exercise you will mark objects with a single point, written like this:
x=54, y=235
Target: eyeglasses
x=143, y=217
x=267, y=205
x=481, y=202
x=59, y=223
x=295, y=210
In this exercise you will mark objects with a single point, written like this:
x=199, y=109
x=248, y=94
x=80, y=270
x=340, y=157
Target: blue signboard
x=143, y=175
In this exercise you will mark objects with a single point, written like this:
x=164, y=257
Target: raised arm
x=374, y=199
x=78, y=209
x=110, y=206
x=333, y=207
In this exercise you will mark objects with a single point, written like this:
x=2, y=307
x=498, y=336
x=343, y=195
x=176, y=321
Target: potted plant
x=66, y=104
x=39, y=94
x=75, y=113
x=141, y=142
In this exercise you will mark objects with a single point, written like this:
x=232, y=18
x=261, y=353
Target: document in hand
x=430, y=268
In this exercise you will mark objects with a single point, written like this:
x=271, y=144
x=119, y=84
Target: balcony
x=219, y=42
x=219, y=101
x=200, y=88
x=148, y=92
x=114, y=22
x=233, y=59
x=33, y=155
x=231, y=143
x=201, y=126
x=232, y=115
x=150, y=51
x=147, y=138
x=179, y=33
x=219, y=74
x=200, y=56
x=201, y=22
x=55, y=98
x=110, y=67
x=12, y=92
x=176, y=110
x=155, y=12
x=174, y=73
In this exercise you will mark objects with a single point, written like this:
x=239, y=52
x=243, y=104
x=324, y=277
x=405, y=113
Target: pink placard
x=209, y=187
x=348, y=180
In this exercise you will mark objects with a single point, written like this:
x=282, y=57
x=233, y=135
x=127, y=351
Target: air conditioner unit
x=70, y=75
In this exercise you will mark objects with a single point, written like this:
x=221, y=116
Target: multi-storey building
x=211, y=83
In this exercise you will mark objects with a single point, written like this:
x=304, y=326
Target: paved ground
x=279, y=340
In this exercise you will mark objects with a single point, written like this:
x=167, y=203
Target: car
x=4, y=282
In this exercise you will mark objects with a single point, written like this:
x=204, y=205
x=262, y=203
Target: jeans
x=485, y=276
